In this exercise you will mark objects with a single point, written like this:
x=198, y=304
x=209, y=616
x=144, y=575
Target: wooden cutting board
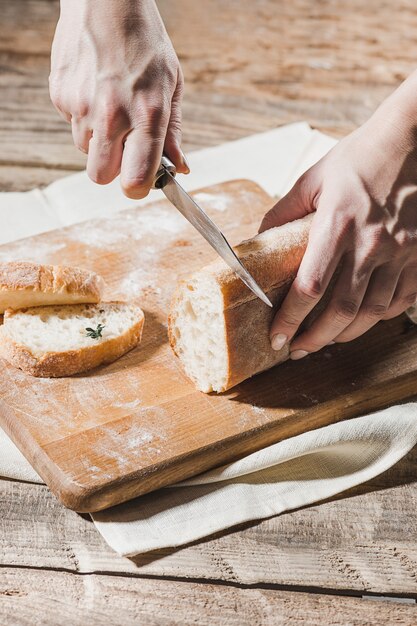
x=136, y=425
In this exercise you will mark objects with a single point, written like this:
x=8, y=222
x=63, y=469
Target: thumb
x=297, y=203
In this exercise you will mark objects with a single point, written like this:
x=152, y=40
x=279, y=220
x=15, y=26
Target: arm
x=364, y=195
x=116, y=79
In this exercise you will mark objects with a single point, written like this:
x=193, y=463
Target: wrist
x=117, y=12
x=114, y=30
x=396, y=118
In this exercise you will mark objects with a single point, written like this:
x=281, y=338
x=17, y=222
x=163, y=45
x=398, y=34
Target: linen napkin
x=293, y=473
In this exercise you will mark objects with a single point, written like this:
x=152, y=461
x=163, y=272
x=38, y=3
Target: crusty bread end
x=218, y=328
x=25, y=284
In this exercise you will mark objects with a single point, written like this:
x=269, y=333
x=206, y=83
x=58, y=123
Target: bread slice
x=218, y=328
x=24, y=284
x=54, y=341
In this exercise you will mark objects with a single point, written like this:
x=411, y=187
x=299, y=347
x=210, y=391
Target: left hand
x=364, y=195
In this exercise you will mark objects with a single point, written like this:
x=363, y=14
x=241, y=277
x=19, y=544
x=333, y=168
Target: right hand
x=116, y=79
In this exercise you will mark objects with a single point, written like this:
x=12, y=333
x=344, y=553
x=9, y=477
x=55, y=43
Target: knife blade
x=206, y=227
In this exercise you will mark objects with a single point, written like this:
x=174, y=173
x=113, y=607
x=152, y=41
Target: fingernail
x=278, y=341
x=298, y=354
x=331, y=343
x=185, y=162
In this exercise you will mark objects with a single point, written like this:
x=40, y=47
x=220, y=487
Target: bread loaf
x=24, y=284
x=57, y=341
x=218, y=328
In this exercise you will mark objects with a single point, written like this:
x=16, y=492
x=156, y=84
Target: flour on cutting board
x=138, y=441
x=138, y=281
x=134, y=443
x=259, y=410
x=216, y=201
x=128, y=406
x=143, y=236
x=155, y=221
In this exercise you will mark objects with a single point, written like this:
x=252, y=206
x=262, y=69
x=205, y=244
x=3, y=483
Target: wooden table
x=250, y=65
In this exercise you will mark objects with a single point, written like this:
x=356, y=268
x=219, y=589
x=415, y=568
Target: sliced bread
x=56, y=341
x=218, y=328
x=24, y=284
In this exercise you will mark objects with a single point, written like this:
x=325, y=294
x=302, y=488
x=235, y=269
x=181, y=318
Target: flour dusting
x=130, y=225
x=216, y=202
x=128, y=406
x=139, y=440
x=137, y=282
x=259, y=410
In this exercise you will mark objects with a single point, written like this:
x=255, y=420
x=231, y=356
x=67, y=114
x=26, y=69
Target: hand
x=364, y=195
x=116, y=78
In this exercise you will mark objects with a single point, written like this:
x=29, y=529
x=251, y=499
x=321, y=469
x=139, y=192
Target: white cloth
x=290, y=474
x=273, y=159
x=12, y=462
x=287, y=475
x=284, y=476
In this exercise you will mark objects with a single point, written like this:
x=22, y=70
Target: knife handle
x=160, y=179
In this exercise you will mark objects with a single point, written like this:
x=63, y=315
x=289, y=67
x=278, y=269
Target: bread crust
x=25, y=284
x=273, y=259
x=62, y=364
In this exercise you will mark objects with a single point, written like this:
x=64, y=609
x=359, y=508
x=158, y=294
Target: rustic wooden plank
x=16, y=178
x=27, y=26
x=363, y=541
x=31, y=131
x=47, y=599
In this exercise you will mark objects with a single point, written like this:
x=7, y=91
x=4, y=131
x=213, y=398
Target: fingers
x=104, y=158
x=405, y=294
x=81, y=134
x=172, y=146
x=346, y=299
x=359, y=301
x=297, y=203
x=376, y=302
x=62, y=113
x=321, y=258
x=127, y=137
x=143, y=151
x=131, y=143
x=58, y=99
x=106, y=145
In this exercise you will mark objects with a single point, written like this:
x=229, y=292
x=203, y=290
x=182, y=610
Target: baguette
x=55, y=341
x=24, y=284
x=218, y=328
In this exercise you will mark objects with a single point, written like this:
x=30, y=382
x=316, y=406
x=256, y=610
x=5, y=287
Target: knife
x=166, y=181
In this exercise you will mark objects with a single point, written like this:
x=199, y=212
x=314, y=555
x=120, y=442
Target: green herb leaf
x=95, y=333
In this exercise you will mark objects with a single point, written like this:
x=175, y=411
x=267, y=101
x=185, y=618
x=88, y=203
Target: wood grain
x=138, y=424
x=16, y=177
x=106, y=600
x=363, y=541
